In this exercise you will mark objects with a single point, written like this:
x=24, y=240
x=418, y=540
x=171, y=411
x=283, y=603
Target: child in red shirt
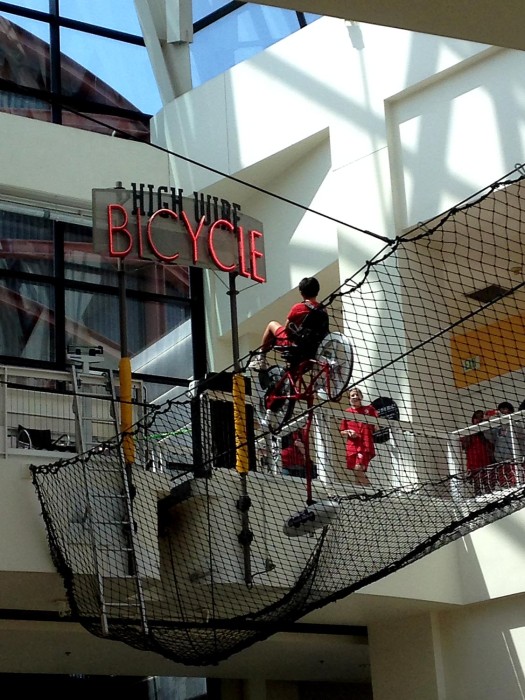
x=479, y=453
x=293, y=455
x=360, y=448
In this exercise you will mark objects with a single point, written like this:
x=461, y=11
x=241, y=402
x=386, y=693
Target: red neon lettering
x=211, y=244
x=167, y=258
x=254, y=254
x=242, y=253
x=139, y=234
x=194, y=234
x=113, y=228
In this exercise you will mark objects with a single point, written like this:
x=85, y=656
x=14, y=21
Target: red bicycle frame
x=294, y=386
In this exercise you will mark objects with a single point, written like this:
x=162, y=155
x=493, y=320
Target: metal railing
x=39, y=409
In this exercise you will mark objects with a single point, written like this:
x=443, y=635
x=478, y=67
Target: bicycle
x=326, y=376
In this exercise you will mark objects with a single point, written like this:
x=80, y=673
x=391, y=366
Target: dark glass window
x=89, y=77
x=158, y=332
x=24, y=52
x=26, y=244
x=168, y=280
x=26, y=321
x=22, y=106
x=82, y=264
x=27, y=302
x=92, y=319
x=56, y=292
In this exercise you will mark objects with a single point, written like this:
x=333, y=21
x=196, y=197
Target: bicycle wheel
x=279, y=405
x=335, y=350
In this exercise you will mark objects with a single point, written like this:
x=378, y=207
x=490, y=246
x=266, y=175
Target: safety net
x=260, y=495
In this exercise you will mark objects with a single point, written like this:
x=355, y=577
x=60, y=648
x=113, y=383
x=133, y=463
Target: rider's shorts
x=281, y=337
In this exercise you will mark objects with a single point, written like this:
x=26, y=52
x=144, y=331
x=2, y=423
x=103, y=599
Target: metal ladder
x=107, y=509
x=80, y=367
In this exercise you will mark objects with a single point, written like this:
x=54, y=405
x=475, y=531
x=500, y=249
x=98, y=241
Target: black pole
x=123, y=320
x=232, y=292
x=198, y=342
x=245, y=537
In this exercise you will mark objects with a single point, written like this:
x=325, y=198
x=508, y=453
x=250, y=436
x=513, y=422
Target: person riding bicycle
x=290, y=334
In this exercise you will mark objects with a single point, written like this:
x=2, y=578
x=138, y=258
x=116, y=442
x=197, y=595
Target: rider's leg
x=269, y=336
x=271, y=331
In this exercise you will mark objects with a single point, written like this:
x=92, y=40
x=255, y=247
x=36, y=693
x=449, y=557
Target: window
x=88, y=74
x=237, y=36
x=55, y=291
x=84, y=63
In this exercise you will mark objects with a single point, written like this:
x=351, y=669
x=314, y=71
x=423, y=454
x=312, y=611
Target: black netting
x=184, y=552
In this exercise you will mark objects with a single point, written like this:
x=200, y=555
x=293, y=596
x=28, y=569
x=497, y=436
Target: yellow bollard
x=239, y=422
x=126, y=409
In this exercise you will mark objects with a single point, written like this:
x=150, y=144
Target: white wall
x=455, y=133
x=483, y=648
x=63, y=164
x=469, y=652
x=260, y=122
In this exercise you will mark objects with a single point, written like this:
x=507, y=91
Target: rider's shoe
x=258, y=362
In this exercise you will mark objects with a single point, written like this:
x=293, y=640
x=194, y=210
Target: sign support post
x=239, y=420
x=160, y=224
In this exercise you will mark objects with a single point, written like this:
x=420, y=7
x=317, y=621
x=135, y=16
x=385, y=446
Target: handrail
x=491, y=423
x=44, y=399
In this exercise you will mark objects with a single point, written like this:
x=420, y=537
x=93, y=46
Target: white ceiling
x=40, y=646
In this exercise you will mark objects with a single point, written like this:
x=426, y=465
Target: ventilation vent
x=490, y=293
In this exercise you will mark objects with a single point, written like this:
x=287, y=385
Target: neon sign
x=160, y=224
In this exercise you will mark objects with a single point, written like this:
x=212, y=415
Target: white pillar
x=405, y=658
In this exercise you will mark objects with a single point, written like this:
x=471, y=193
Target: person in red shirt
x=276, y=333
x=293, y=455
x=479, y=453
x=360, y=449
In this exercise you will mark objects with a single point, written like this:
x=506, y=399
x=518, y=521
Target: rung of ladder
x=108, y=496
x=121, y=605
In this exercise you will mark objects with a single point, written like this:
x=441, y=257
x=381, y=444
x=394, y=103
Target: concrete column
x=405, y=658
x=254, y=689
